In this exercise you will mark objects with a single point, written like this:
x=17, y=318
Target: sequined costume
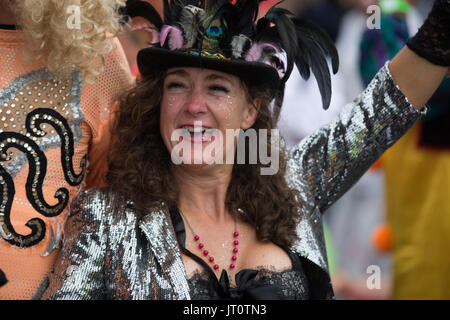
x=53, y=139
x=111, y=253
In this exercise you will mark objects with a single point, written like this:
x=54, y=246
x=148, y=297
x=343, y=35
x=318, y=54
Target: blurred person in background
x=417, y=168
x=140, y=33
x=60, y=72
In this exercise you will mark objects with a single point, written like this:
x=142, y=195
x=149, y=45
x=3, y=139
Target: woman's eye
x=175, y=85
x=219, y=88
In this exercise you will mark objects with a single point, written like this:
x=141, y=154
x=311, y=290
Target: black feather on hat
x=225, y=35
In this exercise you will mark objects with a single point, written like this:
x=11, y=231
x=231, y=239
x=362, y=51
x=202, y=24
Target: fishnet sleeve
x=98, y=101
x=432, y=41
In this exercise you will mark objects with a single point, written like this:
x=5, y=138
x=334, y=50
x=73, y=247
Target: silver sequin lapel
x=162, y=240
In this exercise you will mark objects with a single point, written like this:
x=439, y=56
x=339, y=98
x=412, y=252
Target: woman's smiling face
x=203, y=104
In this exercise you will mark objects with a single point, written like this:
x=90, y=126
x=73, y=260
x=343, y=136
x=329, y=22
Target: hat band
x=207, y=53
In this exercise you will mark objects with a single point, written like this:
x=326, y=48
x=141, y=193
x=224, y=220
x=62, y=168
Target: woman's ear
x=250, y=114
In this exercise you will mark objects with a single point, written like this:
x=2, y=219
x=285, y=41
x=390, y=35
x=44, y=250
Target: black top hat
x=225, y=35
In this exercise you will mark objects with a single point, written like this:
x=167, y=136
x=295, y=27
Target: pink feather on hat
x=175, y=37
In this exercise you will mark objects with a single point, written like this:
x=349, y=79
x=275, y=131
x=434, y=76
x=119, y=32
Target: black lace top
x=262, y=283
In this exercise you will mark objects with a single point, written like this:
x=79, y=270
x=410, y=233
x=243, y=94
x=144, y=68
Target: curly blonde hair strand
x=45, y=26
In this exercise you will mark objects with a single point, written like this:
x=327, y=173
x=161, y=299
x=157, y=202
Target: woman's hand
x=419, y=68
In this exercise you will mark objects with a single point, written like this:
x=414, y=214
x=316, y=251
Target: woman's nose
x=196, y=104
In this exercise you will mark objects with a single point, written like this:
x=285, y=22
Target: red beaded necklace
x=206, y=253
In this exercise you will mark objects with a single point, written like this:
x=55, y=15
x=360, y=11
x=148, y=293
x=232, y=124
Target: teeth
x=209, y=130
x=207, y=134
x=197, y=129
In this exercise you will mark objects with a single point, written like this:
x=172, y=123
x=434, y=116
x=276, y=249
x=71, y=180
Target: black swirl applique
x=37, y=170
x=41, y=115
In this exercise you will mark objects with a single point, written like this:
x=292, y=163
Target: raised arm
x=326, y=164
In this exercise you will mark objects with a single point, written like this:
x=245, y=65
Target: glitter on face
x=171, y=101
x=229, y=108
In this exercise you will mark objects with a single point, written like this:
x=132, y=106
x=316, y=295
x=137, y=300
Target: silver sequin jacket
x=113, y=253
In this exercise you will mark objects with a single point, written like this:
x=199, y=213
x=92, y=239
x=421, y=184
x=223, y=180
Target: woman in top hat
x=181, y=221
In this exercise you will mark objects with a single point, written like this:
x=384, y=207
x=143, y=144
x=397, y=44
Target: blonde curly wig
x=49, y=28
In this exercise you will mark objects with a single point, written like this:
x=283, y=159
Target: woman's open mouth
x=199, y=133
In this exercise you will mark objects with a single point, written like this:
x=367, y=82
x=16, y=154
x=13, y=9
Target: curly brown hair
x=139, y=166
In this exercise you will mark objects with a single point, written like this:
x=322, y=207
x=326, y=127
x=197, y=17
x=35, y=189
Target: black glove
x=432, y=41
x=3, y=280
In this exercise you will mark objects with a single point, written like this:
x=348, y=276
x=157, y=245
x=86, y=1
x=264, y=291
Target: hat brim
x=151, y=60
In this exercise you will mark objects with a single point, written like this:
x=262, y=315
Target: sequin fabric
x=111, y=253
x=52, y=144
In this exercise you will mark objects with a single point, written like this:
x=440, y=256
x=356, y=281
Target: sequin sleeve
x=326, y=164
x=79, y=270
